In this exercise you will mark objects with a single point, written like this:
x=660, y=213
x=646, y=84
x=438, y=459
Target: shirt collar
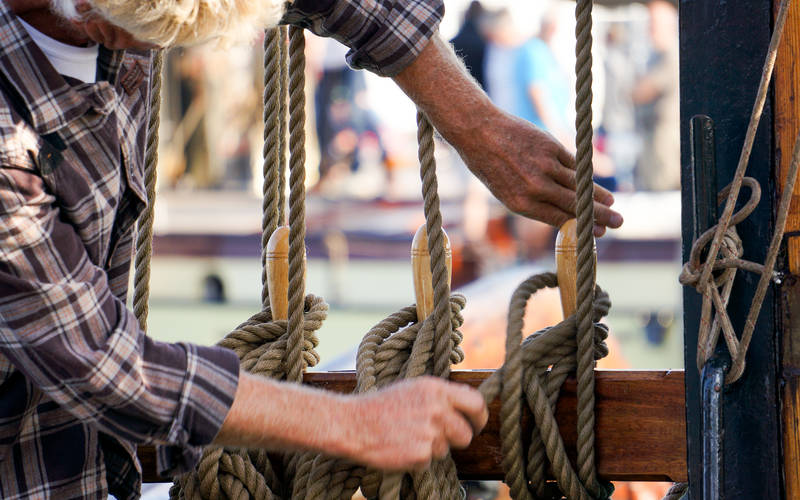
x=51, y=102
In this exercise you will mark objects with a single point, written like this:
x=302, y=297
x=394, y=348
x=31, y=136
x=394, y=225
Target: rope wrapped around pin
x=533, y=373
x=261, y=343
x=399, y=347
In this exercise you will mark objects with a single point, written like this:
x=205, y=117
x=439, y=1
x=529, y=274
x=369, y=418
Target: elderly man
x=80, y=383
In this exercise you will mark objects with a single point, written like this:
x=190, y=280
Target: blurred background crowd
x=521, y=53
x=364, y=188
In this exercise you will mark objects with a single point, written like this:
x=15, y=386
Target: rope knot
x=713, y=276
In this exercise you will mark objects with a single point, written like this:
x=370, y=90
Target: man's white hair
x=185, y=22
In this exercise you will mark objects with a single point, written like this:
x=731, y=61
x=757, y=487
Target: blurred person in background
x=523, y=76
x=345, y=125
x=470, y=44
x=618, y=130
x=656, y=95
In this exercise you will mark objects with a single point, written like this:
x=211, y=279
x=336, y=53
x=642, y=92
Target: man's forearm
x=439, y=84
x=399, y=427
x=281, y=416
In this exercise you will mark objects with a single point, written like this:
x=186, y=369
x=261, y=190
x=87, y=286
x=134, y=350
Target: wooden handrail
x=641, y=429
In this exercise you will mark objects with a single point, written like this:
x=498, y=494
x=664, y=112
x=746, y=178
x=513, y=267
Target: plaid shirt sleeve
x=384, y=36
x=62, y=327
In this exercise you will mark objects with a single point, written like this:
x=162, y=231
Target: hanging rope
x=272, y=152
x=144, y=236
x=585, y=245
x=533, y=372
x=297, y=192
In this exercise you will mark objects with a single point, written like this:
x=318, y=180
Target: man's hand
x=409, y=423
x=524, y=167
x=531, y=173
x=402, y=427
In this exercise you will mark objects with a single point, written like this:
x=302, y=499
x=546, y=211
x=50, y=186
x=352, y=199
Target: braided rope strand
x=297, y=213
x=433, y=221
x=283, y=122
x=585, y=244
x=272, y=109
x=144, y=237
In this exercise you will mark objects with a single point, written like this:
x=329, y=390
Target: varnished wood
x=640, y=425
x=567, y=265
x=786, y=126
x=791, y=389
x=278, y=272
x=421, y=269
x=787, y=122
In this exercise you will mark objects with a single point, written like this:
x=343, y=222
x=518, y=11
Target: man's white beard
x=64, y=8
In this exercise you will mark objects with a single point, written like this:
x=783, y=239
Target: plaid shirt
x=80, y=383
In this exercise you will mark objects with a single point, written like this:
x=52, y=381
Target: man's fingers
x=458, y=430
x=470, y=403
x=440, y=448
x=566, y=158
x=603, y=195
x=606, y=217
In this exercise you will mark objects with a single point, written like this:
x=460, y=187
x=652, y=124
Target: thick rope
x=585, y=244
x=272, y=109
x=433, y=222
x=262, y=346
x=265, y=346
x=144, y=237
x=283, y=121
x=297, y=213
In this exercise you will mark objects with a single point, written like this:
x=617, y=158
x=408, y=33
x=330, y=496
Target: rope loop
x=533, y=373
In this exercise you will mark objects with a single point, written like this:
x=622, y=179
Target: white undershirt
x=76, y=62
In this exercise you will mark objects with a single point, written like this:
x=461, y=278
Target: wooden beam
x=641, y=433
x=786, y=127
x=787, y=123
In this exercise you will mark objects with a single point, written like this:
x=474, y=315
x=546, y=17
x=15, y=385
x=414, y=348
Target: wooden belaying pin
x=421, y=267
x=278, y=272
x=567, y=265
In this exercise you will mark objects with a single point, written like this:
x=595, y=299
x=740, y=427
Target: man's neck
x=38, y=14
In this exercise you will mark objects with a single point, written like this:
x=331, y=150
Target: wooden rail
x=641, y=430
x=786, y=126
